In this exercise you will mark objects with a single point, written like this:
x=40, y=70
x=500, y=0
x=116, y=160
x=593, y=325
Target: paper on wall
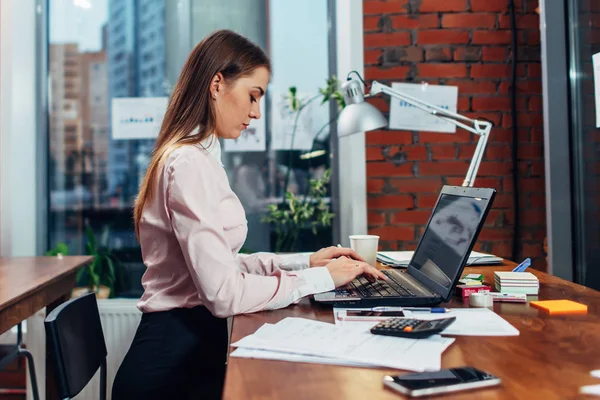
x=404, y=116
x=137, y=117
x=596, y=65
x=282, y=124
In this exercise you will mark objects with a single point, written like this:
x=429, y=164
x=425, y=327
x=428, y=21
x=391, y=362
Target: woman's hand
x=325, y=255
x=344, y=269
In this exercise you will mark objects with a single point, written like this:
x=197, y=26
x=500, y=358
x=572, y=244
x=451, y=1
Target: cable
x=515, y=144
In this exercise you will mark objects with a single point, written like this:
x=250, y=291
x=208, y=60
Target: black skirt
x=175, y=354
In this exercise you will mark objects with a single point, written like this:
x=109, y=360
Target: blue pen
x=523, y=266
x=436, y=310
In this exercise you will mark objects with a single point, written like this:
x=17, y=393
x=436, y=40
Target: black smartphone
x=438, y=382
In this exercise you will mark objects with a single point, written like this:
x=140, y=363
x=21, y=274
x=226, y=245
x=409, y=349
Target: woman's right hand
x=344, y=269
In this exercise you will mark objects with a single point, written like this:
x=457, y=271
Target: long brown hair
x=190, y=107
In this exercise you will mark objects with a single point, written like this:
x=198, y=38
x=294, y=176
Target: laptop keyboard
x=390, y=288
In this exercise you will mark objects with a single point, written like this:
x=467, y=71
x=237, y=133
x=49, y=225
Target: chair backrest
x=77, y=344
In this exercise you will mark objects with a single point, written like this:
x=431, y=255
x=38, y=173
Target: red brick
x=491, y=152
x=531, y=151
x=529, y=119
x=495, y=53
x=427, y=200
x=443, y=152
x=413, y=153
x=453, y=70
x=374, y=154
x=442, y=36
x=421, y=185
x=494, y=168
x=438, y=54
x=377, y=73
x=484, y=182
x=371, y=23
x=532, y=250
x=375, y=185
x=390, y=202
x=532, y=185
x=490, y=71
x=537, y=201
x=495, y=234
x=464, y=104
x=387, y=39
x=534, y=70
x=470, y=53
x=411, y=217
x=491, y=37
x=375, y=218
x=524, y=21
x=469, y=20
x=388, y=137
x=502, y=249
x=413, y=22
x=503, y=201
x=538, y=168
x=443, y=168
x=372, y=56
x=530, y=86
x=489, y=5
x=394, y=232
x=385, y=169
x=533, y=217
x=436, y=137
x=473, y=87
x=385, y=7
x=533, y=38
x=491, y=104
x=536, y=103
x=381, y=103
x=442, y=6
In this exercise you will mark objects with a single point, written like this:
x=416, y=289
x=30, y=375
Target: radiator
x=120, y=319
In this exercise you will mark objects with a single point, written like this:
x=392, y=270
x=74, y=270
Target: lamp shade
x=358, y=116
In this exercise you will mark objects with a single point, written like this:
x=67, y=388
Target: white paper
x=596, y=66
x=590, y=389
x=282, y=124
x=595, y=373
x=279, y=356
x=315, y=338
x=471, y=322
x=407, y=117
x=253, y=138
x=137, y=117
x=402, y=258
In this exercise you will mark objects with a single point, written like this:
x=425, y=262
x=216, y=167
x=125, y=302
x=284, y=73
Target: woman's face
x=237, y=103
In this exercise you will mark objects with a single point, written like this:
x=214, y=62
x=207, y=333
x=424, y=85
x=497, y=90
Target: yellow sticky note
x=560, y=306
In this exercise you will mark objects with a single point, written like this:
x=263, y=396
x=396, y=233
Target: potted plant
x=297, y=213
x=101, y=274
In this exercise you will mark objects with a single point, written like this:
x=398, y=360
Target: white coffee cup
x=366, y=247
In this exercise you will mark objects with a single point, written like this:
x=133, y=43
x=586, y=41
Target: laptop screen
x=448, y=239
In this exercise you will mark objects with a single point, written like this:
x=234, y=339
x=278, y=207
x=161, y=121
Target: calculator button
x=408, y=329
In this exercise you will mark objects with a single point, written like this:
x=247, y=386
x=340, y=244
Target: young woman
x=191, y=225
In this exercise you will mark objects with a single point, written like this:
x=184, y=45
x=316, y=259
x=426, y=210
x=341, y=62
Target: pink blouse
x=190, y=235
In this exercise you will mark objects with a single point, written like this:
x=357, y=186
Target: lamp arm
x=480, y=128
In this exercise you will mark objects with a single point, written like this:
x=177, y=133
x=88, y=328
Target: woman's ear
x=216, y=85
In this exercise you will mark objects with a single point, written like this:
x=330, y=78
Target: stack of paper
x=402, y=258
x=305, y=340
x=516, y=282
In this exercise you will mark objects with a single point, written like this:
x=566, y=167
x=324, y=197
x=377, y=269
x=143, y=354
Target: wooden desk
x=550, y=359
x=28, y=284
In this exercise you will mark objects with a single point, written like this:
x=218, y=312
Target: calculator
x=411, y=328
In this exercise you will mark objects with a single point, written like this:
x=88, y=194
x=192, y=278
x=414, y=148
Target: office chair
x=77, y=345
x=11, y=352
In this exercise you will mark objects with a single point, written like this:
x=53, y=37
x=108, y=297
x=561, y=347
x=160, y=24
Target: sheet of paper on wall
x=283, y=119
x=253, y=138
x=596, y=65
x=137, y=117
x=407, y=117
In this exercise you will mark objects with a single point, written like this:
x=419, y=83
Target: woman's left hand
x=325, y=255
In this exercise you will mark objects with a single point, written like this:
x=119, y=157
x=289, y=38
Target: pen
x=436, y=310
x=387, y=309
x=523, y=266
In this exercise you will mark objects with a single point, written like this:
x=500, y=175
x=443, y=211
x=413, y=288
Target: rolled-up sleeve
x=223, y=287
x=267, y=263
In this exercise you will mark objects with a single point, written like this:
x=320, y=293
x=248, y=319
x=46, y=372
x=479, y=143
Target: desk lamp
x=359, y=116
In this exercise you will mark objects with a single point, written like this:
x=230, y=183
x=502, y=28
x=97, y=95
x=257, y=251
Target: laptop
x=438, y=261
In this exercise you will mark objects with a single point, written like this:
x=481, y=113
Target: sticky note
x=560, y=306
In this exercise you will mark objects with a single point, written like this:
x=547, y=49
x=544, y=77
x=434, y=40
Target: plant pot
x=103, y=292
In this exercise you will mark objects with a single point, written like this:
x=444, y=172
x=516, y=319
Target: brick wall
x=464, y=43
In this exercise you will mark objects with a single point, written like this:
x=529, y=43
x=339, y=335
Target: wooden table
x=28, y=284
x=550, y=359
